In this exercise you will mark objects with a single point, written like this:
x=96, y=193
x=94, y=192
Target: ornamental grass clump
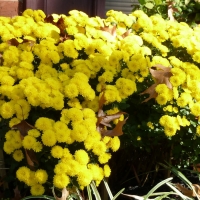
x=65, y=81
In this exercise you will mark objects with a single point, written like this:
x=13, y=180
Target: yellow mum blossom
x=44, y=123
x=37, y=190
x=195, y=109
x=61, y=168
x=57, y=151
x=81, y=156
x=41, y=176
x=84, y=177
x=28, y=142
x=7, y=110
x=18, y=155
x=37, y=146
x=107, y=170
x=79, y=132
x=23, y=174
x=61, y=180
x=49, y=138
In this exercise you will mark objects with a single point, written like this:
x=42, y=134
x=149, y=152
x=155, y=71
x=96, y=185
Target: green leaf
x=118, y=194
x=39, y=197
x=149, y=5
x=96, y=193
x=187, y=1
x=156, y=187
x=89, y=193
x=142, y=2
x=197, y=17
x=158, y=2
x=108, y=189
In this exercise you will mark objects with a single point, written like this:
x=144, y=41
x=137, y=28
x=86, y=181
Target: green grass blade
x=108, y=189
x=89, y=193
x=95, y=191
x=37, y=197
x=156, y=187
x=118, y=194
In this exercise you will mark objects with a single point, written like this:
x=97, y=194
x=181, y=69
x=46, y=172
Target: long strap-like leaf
x=156, y=187
x=89, y=192
x=39, y=197
x=108, y=189
x=95, y=191
x=118, y=194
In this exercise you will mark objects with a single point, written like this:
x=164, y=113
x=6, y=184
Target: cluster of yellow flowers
x=40, y=68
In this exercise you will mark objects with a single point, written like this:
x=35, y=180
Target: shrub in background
x=67, y=83
x=182, y=10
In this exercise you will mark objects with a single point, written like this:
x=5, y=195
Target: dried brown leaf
x=31, y=42
x=31, y=158
x=23, y=127
x=17, y=194
x=111, y=30
x=117, y=131
x=161, y=74
x=61, y=25
x=65, y=194
x=13, y=42
x=188, y=192
x=104, y=121
x=151, y=91
x=1, y=59
x=126, y=33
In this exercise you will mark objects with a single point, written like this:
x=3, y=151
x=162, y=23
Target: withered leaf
x=49, y=19
x=161, y=74
x=188, y=192
x=111, y=30
x=104, y=121
x=13, y=42
x=65, y=194
x=117, y=131
x=1, y=59
x=61, y=25
x=17, y=194
x=23, y=127
x=151, y=91
x=31, y=42
x=126, y=33
x=31, y=158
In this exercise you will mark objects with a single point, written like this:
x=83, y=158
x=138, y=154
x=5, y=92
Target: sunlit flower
x=37, y=190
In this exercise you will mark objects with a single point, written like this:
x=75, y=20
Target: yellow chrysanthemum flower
x=34, y=132
x=81, y=156
x=107, y=170
x=57, y=151
x=37, y=190
x=84, y=177
x=41, y=176
x=49, y=138
x=61, y=180
x=28, y=142
x=23, y=174
x=44, y=123
x=18, y=155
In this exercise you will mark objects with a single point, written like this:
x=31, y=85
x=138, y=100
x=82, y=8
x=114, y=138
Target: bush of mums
x=69, y=82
